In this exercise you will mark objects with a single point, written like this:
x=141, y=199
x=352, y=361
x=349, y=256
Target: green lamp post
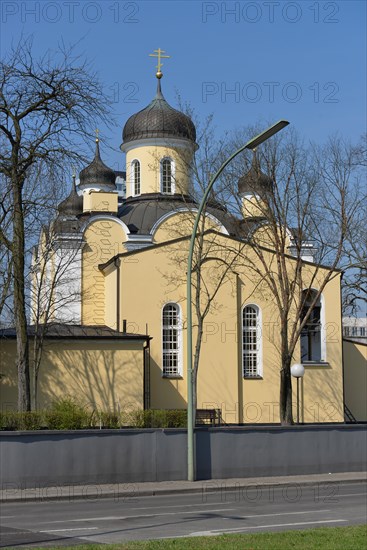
x=252, y=144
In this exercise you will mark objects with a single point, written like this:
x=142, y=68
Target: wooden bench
x=211, y=417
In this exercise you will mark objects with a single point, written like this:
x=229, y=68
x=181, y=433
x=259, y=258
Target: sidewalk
x=18, y=493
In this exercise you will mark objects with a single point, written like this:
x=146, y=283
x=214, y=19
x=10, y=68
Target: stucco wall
x=105, y=374
x=355, y=378
x=220, y=381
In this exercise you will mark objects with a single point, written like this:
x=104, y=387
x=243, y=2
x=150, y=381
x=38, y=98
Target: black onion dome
x=97, y=173
x=255, y=181
x=72, y=205
x=159, y=120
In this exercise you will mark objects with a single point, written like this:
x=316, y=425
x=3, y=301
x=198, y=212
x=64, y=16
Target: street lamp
x=252, y=144
x=297, y=371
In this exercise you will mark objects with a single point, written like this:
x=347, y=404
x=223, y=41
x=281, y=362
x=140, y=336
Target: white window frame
x=179, y=354
x=323, y=354
x=132, y=177
x=173, y=174
x=258, y=350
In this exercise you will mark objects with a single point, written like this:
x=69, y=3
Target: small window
x=362, y=331
x=166, y=175
x=251, y=341
x=311, y=332
x=136, y=177
x=171, y=340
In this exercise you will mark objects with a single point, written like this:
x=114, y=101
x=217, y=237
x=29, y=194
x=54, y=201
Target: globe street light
x=252, y=144
x=297, y=371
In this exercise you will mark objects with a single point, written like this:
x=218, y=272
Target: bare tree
x=53, y=293
x=297, y=204
x=47, y=105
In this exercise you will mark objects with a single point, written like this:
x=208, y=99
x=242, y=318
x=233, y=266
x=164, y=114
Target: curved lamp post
x=254, y=142
x=297, y=371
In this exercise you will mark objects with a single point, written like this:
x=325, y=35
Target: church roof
x=158, y=120
x=140, y=214
x=97, y=173
x=72, y=205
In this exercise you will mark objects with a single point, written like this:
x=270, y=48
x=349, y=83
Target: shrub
x=12, y=420
x=158, y=418
x=67, y=414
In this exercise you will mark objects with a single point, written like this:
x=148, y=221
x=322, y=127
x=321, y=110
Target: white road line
x=113, y=518
x=240, y=529
x=350, y=495
x=283, y=514
x=62, y=530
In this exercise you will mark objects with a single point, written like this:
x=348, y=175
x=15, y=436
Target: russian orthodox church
x=122, y=338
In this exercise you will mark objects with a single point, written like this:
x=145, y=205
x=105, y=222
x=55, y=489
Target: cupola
x=255, y=188
x=159, y=142
x=97, y=175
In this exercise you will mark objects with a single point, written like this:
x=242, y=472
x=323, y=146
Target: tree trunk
x=286, y=413
x=24, y=401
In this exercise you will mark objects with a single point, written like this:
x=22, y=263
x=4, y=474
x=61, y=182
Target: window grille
x=250, y=346
x=136, y=177
x=171, y=340
x=166, y=176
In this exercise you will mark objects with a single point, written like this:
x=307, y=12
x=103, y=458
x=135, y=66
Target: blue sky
x=243, y=61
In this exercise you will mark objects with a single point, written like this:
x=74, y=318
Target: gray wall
x=33, y=459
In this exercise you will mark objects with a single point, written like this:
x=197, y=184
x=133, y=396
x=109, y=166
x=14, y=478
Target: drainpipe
x=118, y=264
x=146, y=375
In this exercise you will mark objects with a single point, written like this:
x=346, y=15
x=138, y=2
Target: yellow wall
x=100, y=201
x=150, y=157
x=355, y=378
x=105, y=374
x=157, y=276
x=104, y=239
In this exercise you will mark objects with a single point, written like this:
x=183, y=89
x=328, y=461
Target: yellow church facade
x=128, y=271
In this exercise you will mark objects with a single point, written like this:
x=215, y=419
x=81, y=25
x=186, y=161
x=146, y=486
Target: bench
x=211, y=417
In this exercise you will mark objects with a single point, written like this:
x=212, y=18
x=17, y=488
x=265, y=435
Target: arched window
x=251, y=342
x=171, y=340
x=311, y=334
x=135, y=173
x=166, y=176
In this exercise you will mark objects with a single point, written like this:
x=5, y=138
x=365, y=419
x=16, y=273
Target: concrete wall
x=36, y=459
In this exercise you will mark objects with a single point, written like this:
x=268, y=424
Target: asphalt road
x=250, y=510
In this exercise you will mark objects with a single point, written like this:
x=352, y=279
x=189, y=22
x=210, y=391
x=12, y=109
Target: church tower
x=159, y=143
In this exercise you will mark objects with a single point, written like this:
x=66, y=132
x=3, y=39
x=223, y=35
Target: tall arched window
x=135, y=173
x=171, y=340
x=311, y=334
x=251, y=342
x=166, y=176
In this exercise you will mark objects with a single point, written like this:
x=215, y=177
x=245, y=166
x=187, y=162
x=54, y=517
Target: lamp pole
x=297, y=371
x=254, y=142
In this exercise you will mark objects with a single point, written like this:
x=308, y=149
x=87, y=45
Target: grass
x=337, y=538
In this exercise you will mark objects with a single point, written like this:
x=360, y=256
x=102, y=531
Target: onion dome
x=97, y=174
x=72, y=205
x=255, y=181
x=158, y=120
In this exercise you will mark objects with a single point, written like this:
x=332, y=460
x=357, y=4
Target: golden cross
x=97, y=134
x=158, y=53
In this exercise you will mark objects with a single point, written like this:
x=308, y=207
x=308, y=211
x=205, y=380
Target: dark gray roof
x=72, y=205
x=159, y=120
x=255, y=181
x=97, y=173
x=141, y=213
x=62, y=330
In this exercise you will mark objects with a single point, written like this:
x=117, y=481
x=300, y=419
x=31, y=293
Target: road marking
x=283, y=514
x=62, y=530
x=114, y=518
x=215, y=531
x=350, y=495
